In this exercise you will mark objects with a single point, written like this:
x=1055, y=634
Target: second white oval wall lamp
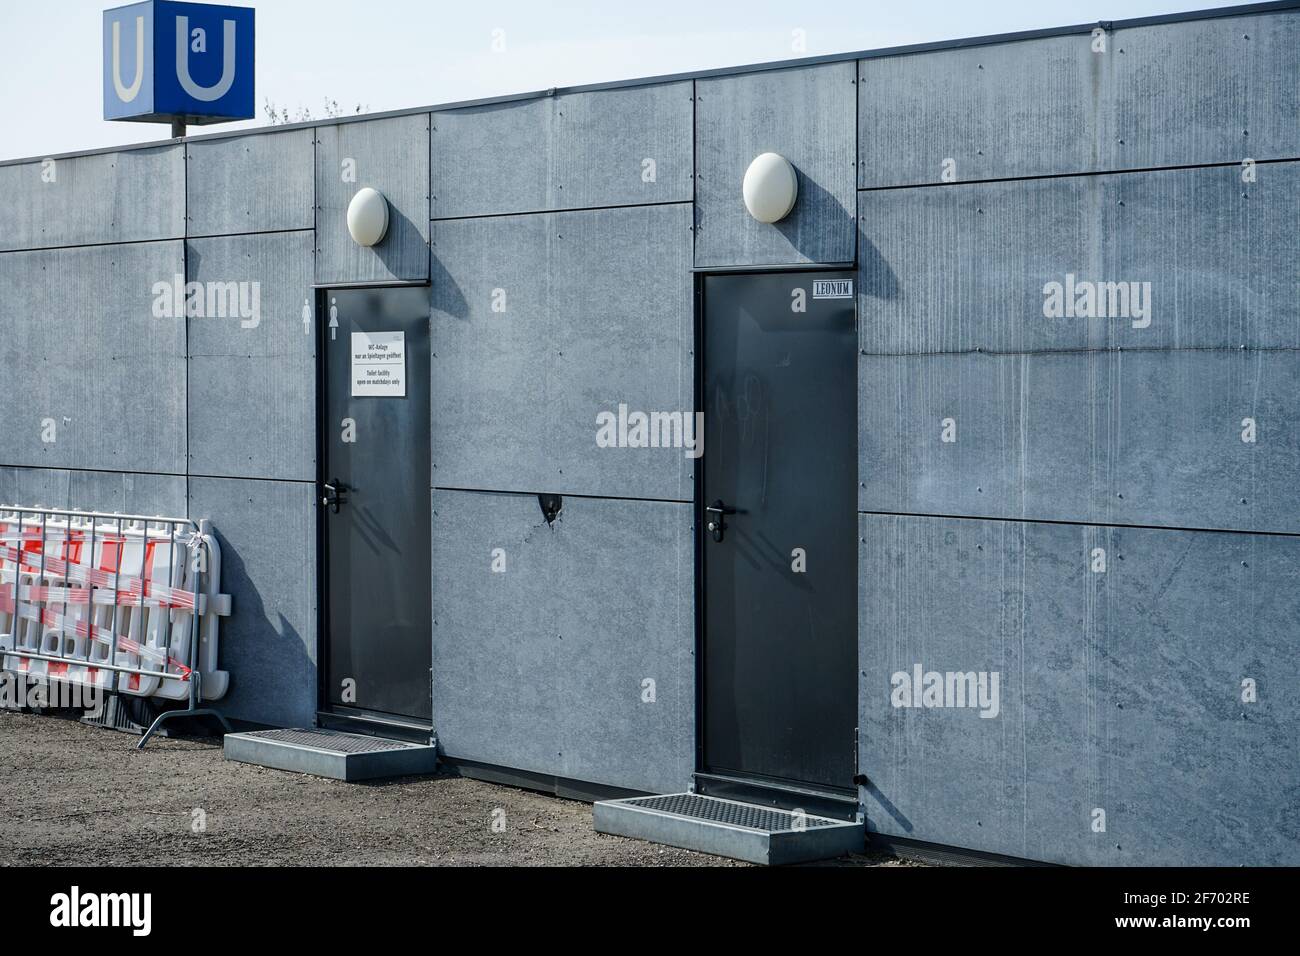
x=368, y=217
x=770, y=188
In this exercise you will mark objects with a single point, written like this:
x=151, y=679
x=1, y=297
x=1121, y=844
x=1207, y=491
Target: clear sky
x=392, y=54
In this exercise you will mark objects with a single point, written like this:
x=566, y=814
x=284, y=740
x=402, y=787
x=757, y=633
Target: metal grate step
x=332, y=741
x=740, y=831
x=729, y=812
x=331, y=753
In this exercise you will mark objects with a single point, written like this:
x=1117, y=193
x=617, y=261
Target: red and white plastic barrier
x=110, y=601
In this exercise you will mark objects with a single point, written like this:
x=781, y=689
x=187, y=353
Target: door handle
x=335, y=495
x=717, y=519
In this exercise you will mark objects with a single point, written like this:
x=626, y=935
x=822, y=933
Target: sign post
x=178, y=63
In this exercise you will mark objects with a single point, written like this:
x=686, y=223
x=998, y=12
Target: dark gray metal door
x=375, y=495
x=779, y=540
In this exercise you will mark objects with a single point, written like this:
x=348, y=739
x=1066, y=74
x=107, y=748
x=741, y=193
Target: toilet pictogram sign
x=178, y=62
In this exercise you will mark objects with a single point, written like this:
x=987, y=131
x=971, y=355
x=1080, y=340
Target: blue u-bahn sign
x=188, y=62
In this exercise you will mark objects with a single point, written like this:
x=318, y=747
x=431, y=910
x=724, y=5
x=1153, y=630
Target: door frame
x=839, y=803
x=355, y=720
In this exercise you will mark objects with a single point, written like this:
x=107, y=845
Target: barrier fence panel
x=121, y=604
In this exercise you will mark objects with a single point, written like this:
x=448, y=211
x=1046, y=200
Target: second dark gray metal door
x=375, y=492
x=780, y=541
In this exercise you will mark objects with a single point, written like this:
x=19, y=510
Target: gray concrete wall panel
x=967, y=267
x=252, y=405
x=267, y=532
x=1103, y=676
x=1033, y=108
x=542, y=666
x=392, y=156
x=808, y=115
x=105, y=491
x=574, y=151
x=587, y=326
x=252, y=183
x=1207, y=91
x=131, y=196
x=98, y=379
x=1175, y=94
x=1194, y=439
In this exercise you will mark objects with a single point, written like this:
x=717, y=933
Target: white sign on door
x=379, y=364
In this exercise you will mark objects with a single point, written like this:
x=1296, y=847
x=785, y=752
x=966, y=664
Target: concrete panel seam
x=249, y=232
x=499, y=491
x=96, y=471
x=1019, y=353
x=547, y=212
x=1081, y=524
x=1083, y=174
x=93, y=245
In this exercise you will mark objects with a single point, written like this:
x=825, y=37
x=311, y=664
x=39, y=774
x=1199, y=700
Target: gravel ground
x=80, y=795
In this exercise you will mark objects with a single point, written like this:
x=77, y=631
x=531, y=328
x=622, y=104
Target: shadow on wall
x=447, y=295
x=193, y=262
x=815, y=210
x=875, y=278
x=903, y=822
x=402, y=234
x=272, y=677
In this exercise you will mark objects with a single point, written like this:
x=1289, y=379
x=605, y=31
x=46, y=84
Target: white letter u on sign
x=207, y=94
x=127, y=93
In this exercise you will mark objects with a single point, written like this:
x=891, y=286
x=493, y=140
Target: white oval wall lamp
x=770, y=187
x=368, y=217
